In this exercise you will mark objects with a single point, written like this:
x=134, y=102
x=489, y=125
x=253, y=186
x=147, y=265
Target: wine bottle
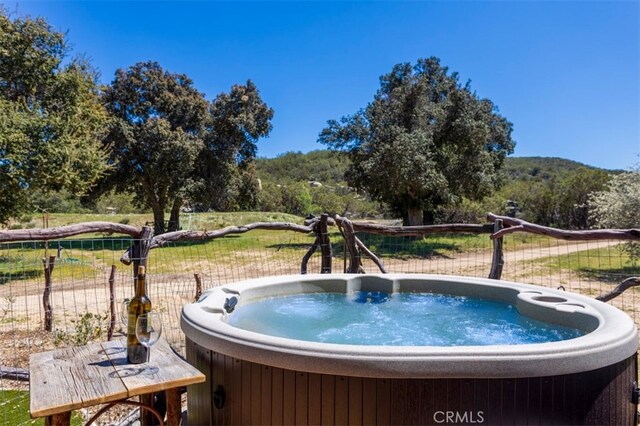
x=140, y=304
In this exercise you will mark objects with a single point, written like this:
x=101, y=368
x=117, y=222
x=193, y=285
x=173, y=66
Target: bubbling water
x=403, y=319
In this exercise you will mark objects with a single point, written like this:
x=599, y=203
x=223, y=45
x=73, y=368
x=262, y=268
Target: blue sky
x=566, y=74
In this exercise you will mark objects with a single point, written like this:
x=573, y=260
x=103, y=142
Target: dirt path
x=481, y=260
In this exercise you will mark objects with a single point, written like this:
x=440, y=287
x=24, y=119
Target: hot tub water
x=404, y=319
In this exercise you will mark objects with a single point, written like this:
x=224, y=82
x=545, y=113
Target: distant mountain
x=329, y=167
x=323, y=166
x=545, y=168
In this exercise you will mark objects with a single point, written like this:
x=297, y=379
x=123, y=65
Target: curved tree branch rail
x=624, y=285
x=419, y=231
x=512, y=225
x=162, y=239
x=38, y=234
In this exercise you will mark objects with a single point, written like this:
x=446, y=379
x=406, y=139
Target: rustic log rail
x=162, y=239
x=420, y=231
x=518, y=225
x=351, y=246
x=198, y=292
x=68, y=231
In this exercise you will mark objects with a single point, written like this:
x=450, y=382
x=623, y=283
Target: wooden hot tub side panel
x=258, y=394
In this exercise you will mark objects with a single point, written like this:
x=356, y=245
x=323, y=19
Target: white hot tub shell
x=604, y=358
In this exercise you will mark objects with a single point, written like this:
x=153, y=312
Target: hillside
x=323, y=166
x=329, y=167
x=545, y=168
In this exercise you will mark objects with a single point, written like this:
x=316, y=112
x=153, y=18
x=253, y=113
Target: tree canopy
x=224, y=175
x=424, y=141
x=51, y=118
x=158, y=118
x=168, y=144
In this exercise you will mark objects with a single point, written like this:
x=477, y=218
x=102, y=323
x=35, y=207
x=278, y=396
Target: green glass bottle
x=140, y=304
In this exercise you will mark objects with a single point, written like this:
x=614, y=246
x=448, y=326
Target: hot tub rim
x=614, y=340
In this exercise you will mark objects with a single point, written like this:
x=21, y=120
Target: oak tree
x=51, y=118
x=169, y=145
x=225, y=176
x=155, y=137
x=424, y=141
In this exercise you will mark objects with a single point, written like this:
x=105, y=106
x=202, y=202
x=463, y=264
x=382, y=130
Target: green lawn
x=607, y=264
x=14, y=410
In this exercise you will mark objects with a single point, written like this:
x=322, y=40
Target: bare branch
x=160, y=240
x=13, y=373
x=307, y=256
x=418, y=231
x=372, y=256
x=198, y=279
x=624, y=285
x=68, y=231
x=518, y=225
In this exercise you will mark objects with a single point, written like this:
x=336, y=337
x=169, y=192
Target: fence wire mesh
x=81, y=298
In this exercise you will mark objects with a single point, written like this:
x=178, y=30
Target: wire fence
x=80, y=297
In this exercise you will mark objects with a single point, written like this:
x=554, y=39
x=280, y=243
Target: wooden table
x=76, y=377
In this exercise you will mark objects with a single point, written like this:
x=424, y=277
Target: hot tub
x=255, y=378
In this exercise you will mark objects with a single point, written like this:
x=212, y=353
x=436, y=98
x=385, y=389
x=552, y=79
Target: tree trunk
x=428, y=217
x=174, y=219
x=414, y=217
x=158, y=219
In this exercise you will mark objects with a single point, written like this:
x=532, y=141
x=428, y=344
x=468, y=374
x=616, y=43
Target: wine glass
x=149, y=328
x=124, y=313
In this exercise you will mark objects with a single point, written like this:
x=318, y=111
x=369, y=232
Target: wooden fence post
x=46, y=295
x=325, y=244
x=198, y=279
x=350, y=244
x=497, y=262
x=112, y=302
x=140, y=250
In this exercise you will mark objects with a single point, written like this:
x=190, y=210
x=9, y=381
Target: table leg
x=174, y=407
x=146, y=418
x=61, y=419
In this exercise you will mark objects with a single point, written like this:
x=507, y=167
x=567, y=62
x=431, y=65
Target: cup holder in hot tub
x=549, y=299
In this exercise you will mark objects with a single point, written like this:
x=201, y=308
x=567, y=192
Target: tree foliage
x=299, y=183
x=170, y=145
x=423, y=142
x=155, y=136
x=225, y=179
x=619, y=207
x=323, y=166
x=51, y=119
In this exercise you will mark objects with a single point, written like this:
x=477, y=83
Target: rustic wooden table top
x=77, y=377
